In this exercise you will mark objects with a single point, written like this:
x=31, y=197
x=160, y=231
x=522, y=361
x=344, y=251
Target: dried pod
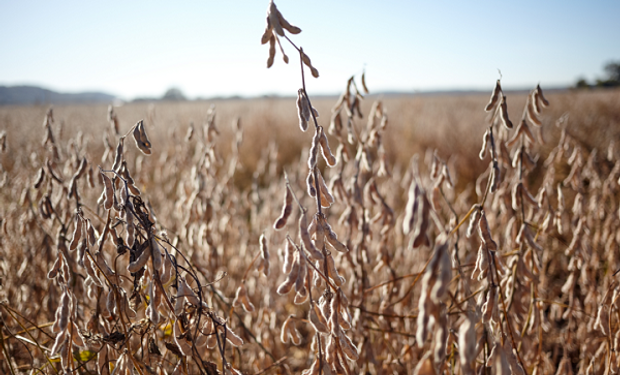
x=531, y=112
x=89, y=177
x=157, y=256
x=306, y=241
x=504, y=114
x=485, y=232
x=289, y=257
x=420, y=237
x=526, y=233
x=310, y=184
x=347, y=346
x=142, y=141
x=287, y=209
x=40, y=178
x=264, y=254
x=118, y=157
x=332, y=238
x=272, y=51
x=496, y=176
x=291, y=278
x=467, y=345
x=303, y=111
x=3, y=141
x=333, y=272
x=108, y=191
x=140, y=262
x=233, y=338
x=81, y=169
x=290, y=332
x=180, y=340
x=167, y=272
x=494, y=97
x=409, y=223
x=312, y=156
x=364, y=82
x=326, y=196
x=300, y=282
x=306, y=60
x=475, y=216
x=56, y=266
x=330, y=159
x=286, y=25
x=241, y=298
x=318, y=320
x=319, y=234
x=77, y=233
x=485, y=141
x=185, y=291
x=489, y=305
x=335, y=124
x=541, y=96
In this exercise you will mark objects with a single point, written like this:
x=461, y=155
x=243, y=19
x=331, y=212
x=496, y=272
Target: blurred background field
x=450, y=123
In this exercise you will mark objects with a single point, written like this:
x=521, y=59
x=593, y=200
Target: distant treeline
x=611, y=79
x=33, y=95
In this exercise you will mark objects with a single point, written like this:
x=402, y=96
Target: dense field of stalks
x=397, y=235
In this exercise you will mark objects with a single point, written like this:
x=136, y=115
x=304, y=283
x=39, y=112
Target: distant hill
x=28, y=95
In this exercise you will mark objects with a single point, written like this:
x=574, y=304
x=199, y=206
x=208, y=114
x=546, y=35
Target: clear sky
x=208, y=48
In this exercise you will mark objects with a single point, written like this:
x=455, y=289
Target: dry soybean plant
x=159, y=261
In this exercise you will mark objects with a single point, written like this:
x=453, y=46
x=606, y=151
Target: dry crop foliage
x=158, y=262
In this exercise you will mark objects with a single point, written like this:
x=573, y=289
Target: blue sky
x=208, y=48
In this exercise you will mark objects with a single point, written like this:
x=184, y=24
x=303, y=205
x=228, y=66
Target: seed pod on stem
x=306, y=60
x=330, y=159
x=318, y=320
x=303, y=111
x=531, y=111
x=287, y=209
x=485, y=232
x=140, y=262
x=108, y=191
x=272, y=51
x=494, y=97
x=326, y=196
x=185, y=291
x=77, y=233
x=540, y=96
x=333, y=272
x=347, y=346
x=157, y=255
x=485, y=141
x=331, y=237
x=40, y=178
x=291, y=278
x=241, y=298
x=264, y=254
x=504, y=113
x=310, y=184
x=319, y=235
x=467, y=344
x=314, y=149
x=118, y=158
x=473, y=220
x=409, y=223
x=496, y=177
x=489, y=305
x=142, y=141
x=300, y=283
x=289, y=257
x=306, y=241
x=290, y=332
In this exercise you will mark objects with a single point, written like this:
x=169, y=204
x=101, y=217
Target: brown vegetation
x=165, y=247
